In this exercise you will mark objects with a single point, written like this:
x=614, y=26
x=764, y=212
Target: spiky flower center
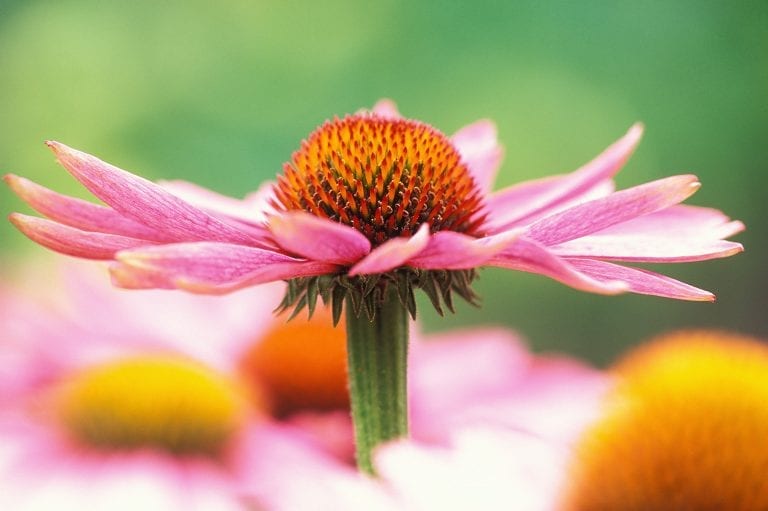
x=161, y=403
x=685, y=430
x=384, y=177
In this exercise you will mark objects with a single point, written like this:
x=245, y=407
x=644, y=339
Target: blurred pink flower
x=683, y=428
x=680, y=427
x=493, y=427
x=482, y=468
x=112, y=400
x=373, y=194
x=300, y=460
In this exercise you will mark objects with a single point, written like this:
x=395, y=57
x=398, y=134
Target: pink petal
x=285, y=472
x=514, y=204
x=528, y=255
x=248, y=215
x=491, y=363
x=480, y=150
x=78, y=213
x=318, y=239
x=392, y=253
x=331, y=432
x=71, y=241
x=386, y=108
x=130, y=277
x=618, y=207
x=675, y=234
x=143, y=201
x=207, y=267
x=503, y=208
x=641, y=281
x=556, y=399
x=249, y=210
x=449, y=250
x=485, y=468
x=650, y=249
x=680, y=220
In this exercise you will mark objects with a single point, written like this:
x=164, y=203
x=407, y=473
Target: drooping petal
x=386, y=108
x=209, y=267
x=649, y=249
x=596, y=215
x=318, y=239
x=502, y=210
x=680, y=220
x=479, y=147
x=641, y=281
x=251, y=209
x=448, y=250
x=78, y=213
x=392, y=253
x=144, y=201
x=513, y=205
x=528, y=255
x=248, y=215
x=132, y=277
x=71, y=241
x=676, y=234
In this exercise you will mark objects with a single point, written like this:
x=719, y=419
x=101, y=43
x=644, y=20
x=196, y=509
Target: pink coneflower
x=374, y=192
x=169, y=399
x=369, y=208
x=493, y=427
x=151, y=400
x=682, y=427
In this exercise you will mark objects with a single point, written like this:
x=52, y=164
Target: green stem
x=377, y=353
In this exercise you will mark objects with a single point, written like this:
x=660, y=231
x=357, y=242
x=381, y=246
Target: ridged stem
x=377, y=353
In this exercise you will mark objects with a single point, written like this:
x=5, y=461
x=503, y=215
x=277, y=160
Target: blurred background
x=221, y=93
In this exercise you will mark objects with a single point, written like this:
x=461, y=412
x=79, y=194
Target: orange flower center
x=384, y=177
x=301, y=365
x=151, y=402
x=685, y=430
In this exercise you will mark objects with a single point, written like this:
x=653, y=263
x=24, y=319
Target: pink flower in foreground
x=374, y=196
x=493, y=428
x=682, y=427
x=61, y=363
x=112, y=400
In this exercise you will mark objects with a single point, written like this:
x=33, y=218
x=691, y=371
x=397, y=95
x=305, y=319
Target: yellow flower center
x=163, y=403
x=384, y=177
x=686, y=429
x=301, y=365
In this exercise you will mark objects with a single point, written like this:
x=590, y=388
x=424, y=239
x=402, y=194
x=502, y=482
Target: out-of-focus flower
x=684, y=429
x=681, y=427
x=493, y=427
x=504, y=446
x=374, y=199
x=167, y=399
x=114, y=400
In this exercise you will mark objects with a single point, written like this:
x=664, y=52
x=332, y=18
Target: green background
x=220, y=93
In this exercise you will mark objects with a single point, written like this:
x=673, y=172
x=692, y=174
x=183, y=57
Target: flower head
x=148, y=400
x=374, y=200
x=195, y=397
x=385, y=177
x=681, y=426
x=684, y=429
x=493, y=429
